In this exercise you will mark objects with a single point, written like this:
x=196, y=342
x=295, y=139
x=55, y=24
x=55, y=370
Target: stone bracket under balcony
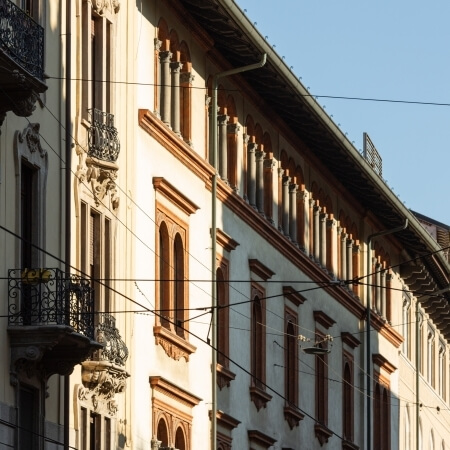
x=21, y=61
x=102, y=380
x=38, y=352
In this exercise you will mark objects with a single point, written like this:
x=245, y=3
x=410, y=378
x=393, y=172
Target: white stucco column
x=285, y=218
x=293, y=188
x=164, y=59
x=222, y=121
x=251, y=173
x=175, y=70
x=260, y=181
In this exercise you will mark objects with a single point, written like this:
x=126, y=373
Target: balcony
x=103, y=150
x=50, y=322
x=104, y=374
x=103, y=137
x=21, y=61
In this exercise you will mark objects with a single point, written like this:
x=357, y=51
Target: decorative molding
x=224, y=376
x=227, y=242
x=102, y=7
x=226, y=421
x=349, y=339
x=101, y=381
x=150, y=123
x=323, y=319
x=259, y=397
x=102, y=175
x=31, y=137
x=258, y=268
x=383, y=363
x=292, y=416
x=174, y=195
x=257, y=437
x=174, y=346
x=291, y=294
x=322, y=433
x=38, y=352
x=164, y=386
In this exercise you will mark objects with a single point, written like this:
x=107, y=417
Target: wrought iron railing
x=114, y=349
x=21, y=38
x=39, y=297
x=103, y=136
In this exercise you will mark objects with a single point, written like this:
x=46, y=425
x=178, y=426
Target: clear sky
x=385, y=49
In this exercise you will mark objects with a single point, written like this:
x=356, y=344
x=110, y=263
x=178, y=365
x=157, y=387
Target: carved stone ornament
x=103, y=6
x=101, y=382
x=30, y=135
x=25, y=107
x=102, y=176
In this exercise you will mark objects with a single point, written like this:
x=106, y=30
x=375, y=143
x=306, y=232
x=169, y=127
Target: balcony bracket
x=38, y=352
x=102, y=380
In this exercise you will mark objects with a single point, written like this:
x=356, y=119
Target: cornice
x=169, y=389
x=226, y=420
x=174, y=195
x=260, y=438
x=323, y=319
x=204, y=171
x=349, y=339
x=383, y=363
x=291, y=294
x=225, y=241
x=258, y=268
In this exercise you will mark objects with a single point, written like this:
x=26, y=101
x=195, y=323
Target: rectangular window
x=96, y=67
x=96, y=254
x=29, y=215
x=107, y=428
x=83, y=429
x=28, y=417
x=347, y=398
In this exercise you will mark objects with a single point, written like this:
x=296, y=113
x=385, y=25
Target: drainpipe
x=68, y=136
x=368, y=309
x=214, y=235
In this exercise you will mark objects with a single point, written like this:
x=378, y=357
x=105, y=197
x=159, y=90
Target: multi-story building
x=46, y=326
x=214, y=263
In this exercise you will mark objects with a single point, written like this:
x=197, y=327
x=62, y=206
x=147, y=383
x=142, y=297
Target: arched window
x=222, y=319
x=291, y=369
x=164, y=276
x=431, y=444
x=268, y=177
x=186, y=79
x=257, y=343
x=232, y=143
x=162, y=433
x=321, y=388
x=180, y=441
x=348, y=402
x=179, y=286
x=407, y=435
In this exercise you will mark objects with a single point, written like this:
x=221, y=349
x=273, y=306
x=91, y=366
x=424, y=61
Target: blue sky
x=384, y=49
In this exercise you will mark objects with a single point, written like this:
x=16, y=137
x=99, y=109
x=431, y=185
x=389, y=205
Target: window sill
x=322, y=433
x=175, y=346
x=292, y=416
x=259, y=397
x=224, y=376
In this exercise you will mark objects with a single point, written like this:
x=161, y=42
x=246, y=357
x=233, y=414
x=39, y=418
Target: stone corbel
x=101, y=7
x=102, y=176
x=101, y=382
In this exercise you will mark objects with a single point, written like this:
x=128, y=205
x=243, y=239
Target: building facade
x=198, y=257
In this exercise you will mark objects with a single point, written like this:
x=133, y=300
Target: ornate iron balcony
x=40, y=297
x=103, y=137
x=22, y=39
x=114, y=350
